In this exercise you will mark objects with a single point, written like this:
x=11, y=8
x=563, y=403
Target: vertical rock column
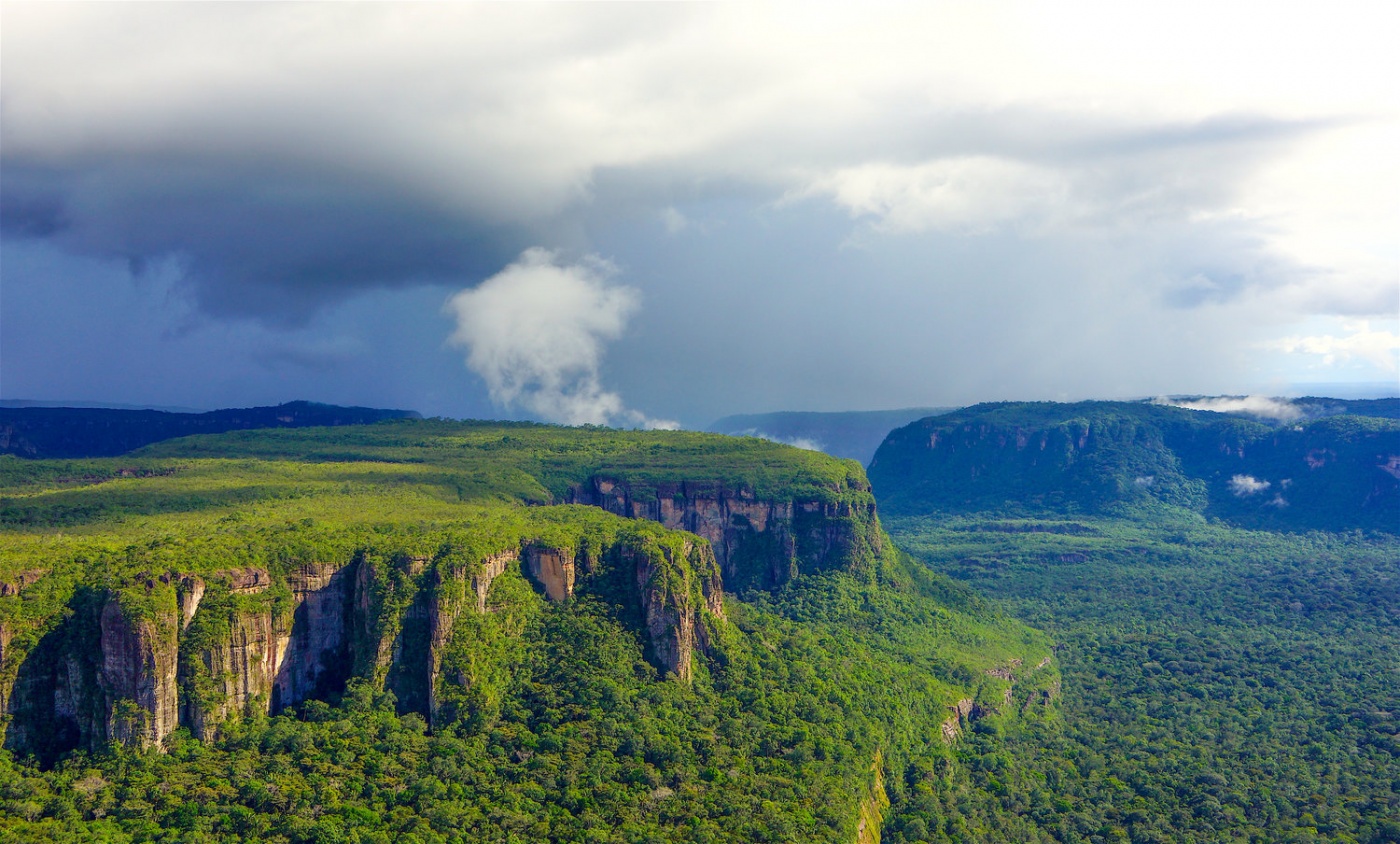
x=140, y=655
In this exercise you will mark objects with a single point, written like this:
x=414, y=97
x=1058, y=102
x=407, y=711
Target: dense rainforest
x=1095, y=622
x=1222, y=681
x=435, y=631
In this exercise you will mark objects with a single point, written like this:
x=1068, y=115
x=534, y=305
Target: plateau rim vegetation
x=423, y=630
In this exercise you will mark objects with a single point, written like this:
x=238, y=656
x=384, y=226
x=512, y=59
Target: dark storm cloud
x=827, y=203
x=279, y=240
x=253, y=241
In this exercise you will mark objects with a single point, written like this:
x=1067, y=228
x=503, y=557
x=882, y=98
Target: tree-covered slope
x=1337, y=472
x=434, y=631
x=1220, y=684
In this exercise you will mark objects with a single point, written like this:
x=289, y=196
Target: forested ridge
x=1222, y=682
x=1336, y=472
x=1094, y=661
x=834, y=666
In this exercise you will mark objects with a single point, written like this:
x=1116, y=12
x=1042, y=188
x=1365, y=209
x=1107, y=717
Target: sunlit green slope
x=406, y=632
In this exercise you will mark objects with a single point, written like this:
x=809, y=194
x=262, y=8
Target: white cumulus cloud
x=1261, y=406
x=1377, y=347
x=536, y=333
x=1242, y=485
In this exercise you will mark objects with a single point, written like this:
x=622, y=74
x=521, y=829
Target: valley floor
x=1220, y=685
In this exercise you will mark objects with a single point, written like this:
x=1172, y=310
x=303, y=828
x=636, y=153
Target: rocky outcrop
x=491, y=568
x=758, y=543
x=238, y=674
x=961, y=715
x=138, y=673
x=552, y=569
x=667, y=610
x=313, y=650
x=177, y=649
x=15, y=583
x=871, y=816
x=676, y=586
x=996, y=698
x=107, y=671
x=190, y=593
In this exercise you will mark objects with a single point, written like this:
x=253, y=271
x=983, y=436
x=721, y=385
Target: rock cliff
x=142, y=654
x=758, y=543
x=107, y=671
x=132, y=665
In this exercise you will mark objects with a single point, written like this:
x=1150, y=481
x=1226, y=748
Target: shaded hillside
x=853, y=435
x=68, y=432
x=1337, y=472
x=428, y=630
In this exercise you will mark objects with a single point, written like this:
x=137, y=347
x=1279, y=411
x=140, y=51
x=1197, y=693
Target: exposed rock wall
x=871, y=817
x=240, y=673
x=552, y=569
x=313, y=651
x=180, y=649
x=996, y=698
x=138, y=674
x=491, y=568
x=953, y=726
x=757, y=543
x=667, y=612
x=114, y=670
x=108, y=671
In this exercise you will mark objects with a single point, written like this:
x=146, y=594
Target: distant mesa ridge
x=1337, y=471
x=75, y=432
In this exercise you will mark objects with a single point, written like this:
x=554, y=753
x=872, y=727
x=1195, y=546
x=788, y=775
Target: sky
x=650, y=215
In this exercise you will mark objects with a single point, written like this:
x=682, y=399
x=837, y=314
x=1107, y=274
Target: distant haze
x=664, y=213
x=852, y=434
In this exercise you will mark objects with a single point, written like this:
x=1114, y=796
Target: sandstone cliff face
x=108, y=671
x=667, y=611
x=491, y=568
x=263, y=658
x=114, y=669
x=313, y=651
x=961, y=712
x=138, y=674
x=757, y=543
x=196, y=651
x=552, y=569
x=674, y=589
x=240, y=672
